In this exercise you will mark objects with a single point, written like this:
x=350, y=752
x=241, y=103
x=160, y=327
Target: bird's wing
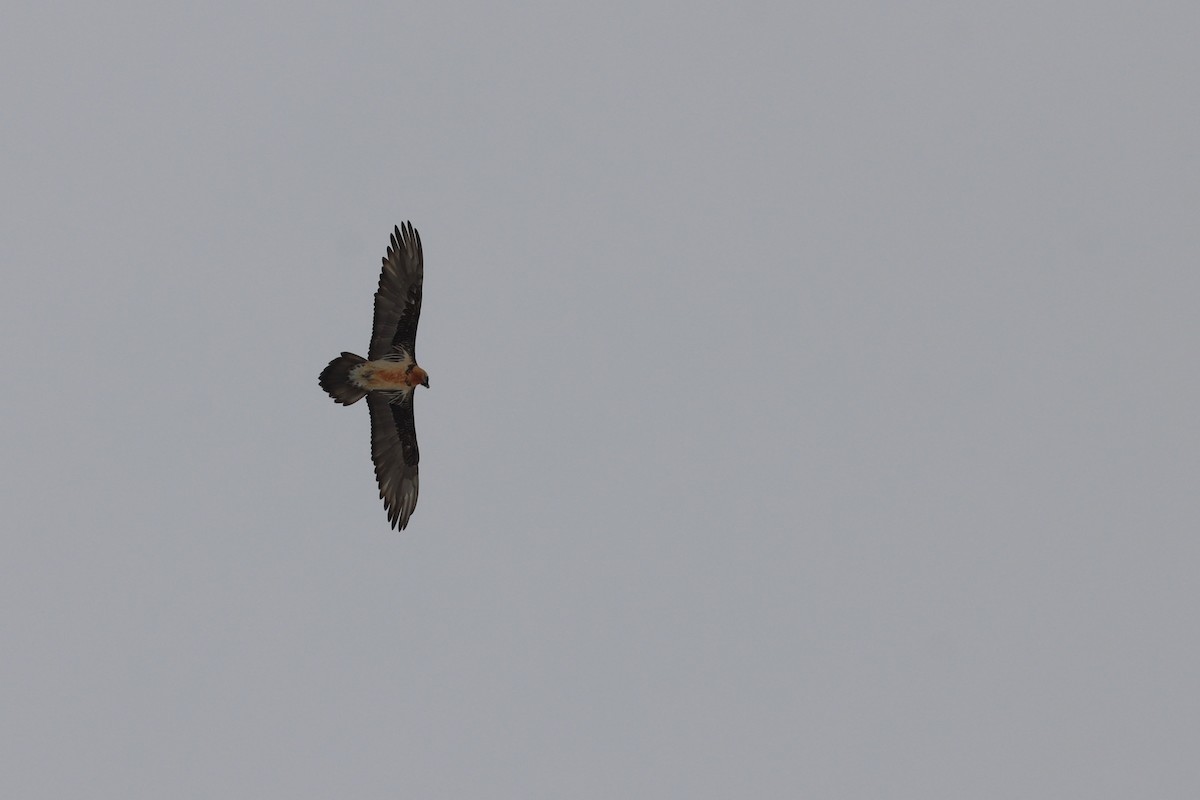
x=394, y=451
x=398, y=299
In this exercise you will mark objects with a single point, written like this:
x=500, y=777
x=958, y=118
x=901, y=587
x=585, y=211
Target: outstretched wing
x=398, y=299
x=394, y=451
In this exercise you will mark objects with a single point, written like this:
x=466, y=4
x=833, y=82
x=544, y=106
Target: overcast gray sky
x=813, y=408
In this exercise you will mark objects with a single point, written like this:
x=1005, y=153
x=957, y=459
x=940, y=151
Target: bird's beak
x=425, y=382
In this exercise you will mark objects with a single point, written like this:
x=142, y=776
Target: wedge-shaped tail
x=335, y=379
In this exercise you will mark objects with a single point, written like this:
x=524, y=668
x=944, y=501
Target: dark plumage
x=389, y=375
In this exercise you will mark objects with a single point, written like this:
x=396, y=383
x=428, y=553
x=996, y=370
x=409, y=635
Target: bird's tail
x=335, y=379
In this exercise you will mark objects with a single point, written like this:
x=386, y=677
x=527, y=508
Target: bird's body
x=389, y=374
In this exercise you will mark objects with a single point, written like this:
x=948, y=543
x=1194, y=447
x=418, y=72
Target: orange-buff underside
x=389, y=377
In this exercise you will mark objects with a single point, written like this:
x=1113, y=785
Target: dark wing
x=394, y=451
x=398, y=300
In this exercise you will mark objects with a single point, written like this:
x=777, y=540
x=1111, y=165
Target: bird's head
x=419, y=376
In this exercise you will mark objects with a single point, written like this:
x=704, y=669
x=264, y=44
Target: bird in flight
x=389, y=375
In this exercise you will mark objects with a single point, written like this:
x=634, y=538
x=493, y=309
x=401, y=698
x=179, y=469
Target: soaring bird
x=389, y=375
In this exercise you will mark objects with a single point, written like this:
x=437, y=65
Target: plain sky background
x=813, y=409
